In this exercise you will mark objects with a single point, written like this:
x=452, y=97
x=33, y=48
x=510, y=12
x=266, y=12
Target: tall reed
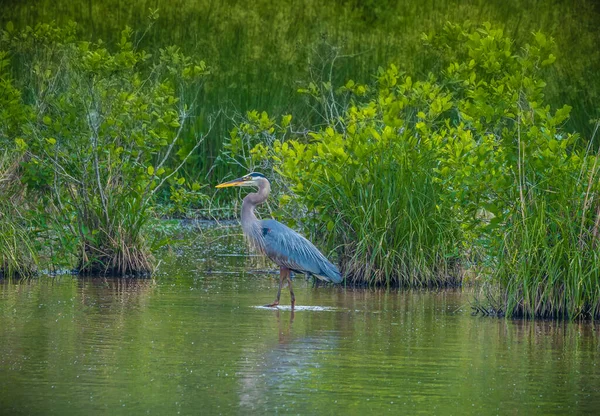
x=389, y=223
x=549, y=259
x=18, y=255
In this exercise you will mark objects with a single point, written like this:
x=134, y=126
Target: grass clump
x=18, y=254
x=525, y=189
x=549, y=261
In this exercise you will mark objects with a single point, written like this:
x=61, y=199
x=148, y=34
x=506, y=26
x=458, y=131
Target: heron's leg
x=282, y=271
x=289, y=279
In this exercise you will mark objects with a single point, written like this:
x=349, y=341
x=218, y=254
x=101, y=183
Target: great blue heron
x=284, y=246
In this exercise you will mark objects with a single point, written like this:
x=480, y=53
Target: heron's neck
x=251, y=201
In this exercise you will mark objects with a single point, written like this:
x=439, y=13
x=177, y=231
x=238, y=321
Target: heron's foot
x=272, y=305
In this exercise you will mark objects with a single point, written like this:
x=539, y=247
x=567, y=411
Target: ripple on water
x=298, y=308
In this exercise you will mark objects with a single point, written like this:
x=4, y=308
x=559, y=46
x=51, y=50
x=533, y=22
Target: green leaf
x=150, y=170
x=21, y=145
x=285, y=120
x=330, y=225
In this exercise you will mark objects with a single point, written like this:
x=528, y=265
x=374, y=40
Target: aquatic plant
x=526, y=188
x=549, y=259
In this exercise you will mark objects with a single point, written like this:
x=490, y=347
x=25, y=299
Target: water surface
x=195, y=340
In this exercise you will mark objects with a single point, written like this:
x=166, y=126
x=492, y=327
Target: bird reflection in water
x=284, y=363
x=285, y=334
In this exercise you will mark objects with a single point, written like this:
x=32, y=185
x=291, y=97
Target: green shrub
x=99, y=138
x=526, y=188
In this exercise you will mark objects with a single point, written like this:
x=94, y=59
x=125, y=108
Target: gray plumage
x=281, y=244
x=289, y=249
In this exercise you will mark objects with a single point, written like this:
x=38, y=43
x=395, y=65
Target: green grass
x=18, y=256
x=386, y=238
x=546, y=269
x=549, y=259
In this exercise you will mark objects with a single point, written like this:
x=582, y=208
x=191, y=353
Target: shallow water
x=197, y=340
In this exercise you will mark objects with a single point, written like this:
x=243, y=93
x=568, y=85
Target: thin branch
x=94, y=138
x=200, y=141
x=183, y=115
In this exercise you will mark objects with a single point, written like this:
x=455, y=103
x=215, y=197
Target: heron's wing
x=289, y=249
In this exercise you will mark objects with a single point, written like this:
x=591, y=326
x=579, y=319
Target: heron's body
x=289, y=249
x=284, y=246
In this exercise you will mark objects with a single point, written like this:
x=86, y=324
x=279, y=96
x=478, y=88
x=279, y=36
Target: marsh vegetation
x=416, y=150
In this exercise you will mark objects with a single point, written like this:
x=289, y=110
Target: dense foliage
x=262, y=50
x=93, y=131
x=468, y=166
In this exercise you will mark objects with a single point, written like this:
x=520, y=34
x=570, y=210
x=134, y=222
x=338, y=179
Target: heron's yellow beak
x=235, y=182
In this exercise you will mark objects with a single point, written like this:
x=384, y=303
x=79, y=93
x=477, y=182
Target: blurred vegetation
x=261, y=52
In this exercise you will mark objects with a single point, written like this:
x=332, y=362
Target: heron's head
x=251, y=179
